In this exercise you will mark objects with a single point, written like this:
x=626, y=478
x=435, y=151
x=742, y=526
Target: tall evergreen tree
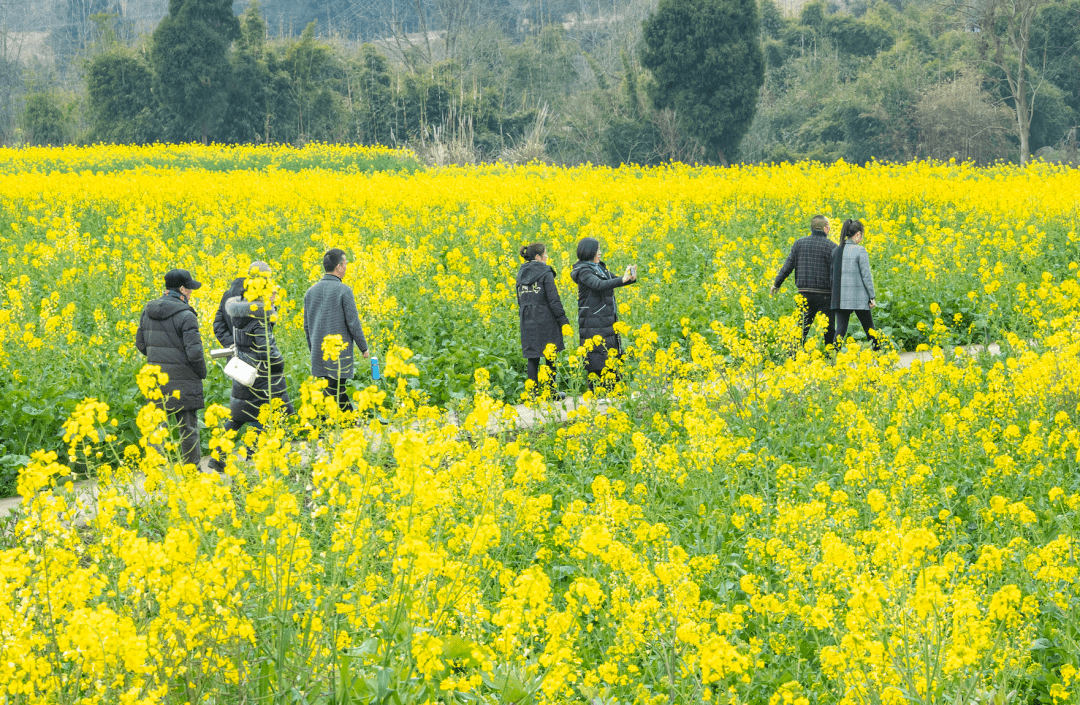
x=376, y=112
x=190, y=57
x=312, y=68
x=251, y=115
x=706, y=58
x=44, y=119
x=119, y=84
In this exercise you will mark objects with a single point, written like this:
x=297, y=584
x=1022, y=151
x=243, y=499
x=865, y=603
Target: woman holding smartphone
x=597, y=311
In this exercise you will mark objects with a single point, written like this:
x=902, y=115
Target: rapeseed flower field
x=736, y=524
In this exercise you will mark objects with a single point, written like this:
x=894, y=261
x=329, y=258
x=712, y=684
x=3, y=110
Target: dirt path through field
x=525, y=417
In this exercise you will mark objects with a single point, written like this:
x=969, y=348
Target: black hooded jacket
x=168, y=335
x=597, y=312
x=540, y=309
x=255, y=344
x=223, y=324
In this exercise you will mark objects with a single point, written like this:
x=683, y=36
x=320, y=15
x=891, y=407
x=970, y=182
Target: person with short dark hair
x=597, y=311
x=541, y=312
x=853, y=283
x=333, y=259
x=330, y=309
x=811, y=260
x=168, y=335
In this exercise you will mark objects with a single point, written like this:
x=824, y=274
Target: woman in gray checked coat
x=853, y=284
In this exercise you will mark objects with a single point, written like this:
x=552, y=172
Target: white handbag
x=238, y=370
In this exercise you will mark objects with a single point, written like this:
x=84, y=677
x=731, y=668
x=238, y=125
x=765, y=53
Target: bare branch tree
x=408, y=45
x=958, y=119
x=1004, y=29
x=456, y=16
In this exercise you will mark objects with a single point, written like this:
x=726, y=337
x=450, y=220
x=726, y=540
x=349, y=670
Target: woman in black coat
x=223, y=325
x=597, y=311
x=540, y=309
x=253, y=335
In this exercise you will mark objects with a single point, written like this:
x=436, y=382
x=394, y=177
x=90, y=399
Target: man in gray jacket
x=330, y=309
x=168, y=335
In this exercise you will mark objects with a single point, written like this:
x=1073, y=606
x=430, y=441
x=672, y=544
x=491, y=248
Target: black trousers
x=245, y=411
x=604, y=377
x=534, y=368
x=843, y=317
x=534, y=374
x=339, y=389
x=817, y=303
x=187, y=429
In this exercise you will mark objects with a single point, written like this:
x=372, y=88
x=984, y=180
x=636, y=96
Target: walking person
x=168, y=335
x=541, y=312
x=223, y=325
x=253, y=336
x=597, y=311
x=811, y=260
x=330, y=309
x=853, y=283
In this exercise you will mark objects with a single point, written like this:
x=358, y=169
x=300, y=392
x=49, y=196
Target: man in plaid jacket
x=330, y=309
x=811, y=259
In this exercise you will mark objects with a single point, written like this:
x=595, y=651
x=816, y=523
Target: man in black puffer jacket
x=169, y=337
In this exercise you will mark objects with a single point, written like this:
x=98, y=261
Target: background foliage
x=463, y=82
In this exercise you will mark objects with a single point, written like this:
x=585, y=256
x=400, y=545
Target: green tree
x=375, y=113
x=706, y=58
x=1056, y=39
x=312, y=69
x=541, y=69
x=190, y=57
x=425, y=101
x=44, y=120
x=259, y=100
x=772, y=20
x=122, y=108
x=630, y=137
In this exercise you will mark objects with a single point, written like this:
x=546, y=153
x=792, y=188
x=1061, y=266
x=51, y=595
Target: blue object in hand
x=374, y=368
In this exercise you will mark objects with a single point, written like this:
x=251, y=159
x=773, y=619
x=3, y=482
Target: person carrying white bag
x=257, y=367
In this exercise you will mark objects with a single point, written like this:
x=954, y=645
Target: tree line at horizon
x=709, y=81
